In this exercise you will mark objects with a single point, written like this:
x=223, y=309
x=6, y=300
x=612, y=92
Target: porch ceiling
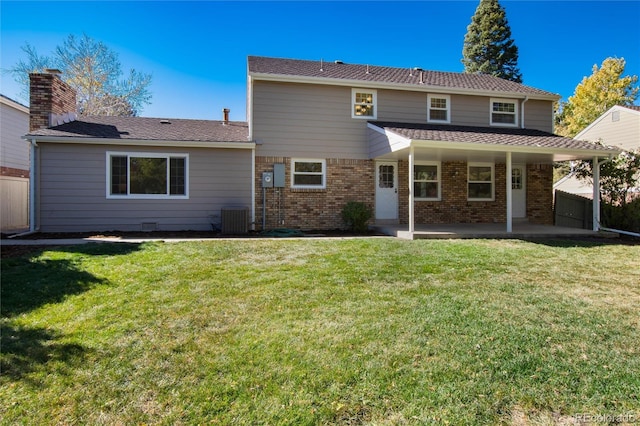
x=463, y=143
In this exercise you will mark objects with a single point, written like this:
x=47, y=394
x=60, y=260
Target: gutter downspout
x=526, y=98
x=33, y=187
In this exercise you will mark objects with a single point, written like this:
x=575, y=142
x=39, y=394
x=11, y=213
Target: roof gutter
x=136, y=142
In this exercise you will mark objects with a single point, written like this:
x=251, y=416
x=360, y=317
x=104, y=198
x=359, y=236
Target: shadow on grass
x=29, y=282
x=584, y=242
x=27, y=350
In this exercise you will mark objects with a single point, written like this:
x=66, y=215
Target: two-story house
x=418, y=146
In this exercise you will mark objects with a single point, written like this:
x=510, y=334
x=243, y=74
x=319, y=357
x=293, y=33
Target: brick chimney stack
x=225, y=115
x=51, y=100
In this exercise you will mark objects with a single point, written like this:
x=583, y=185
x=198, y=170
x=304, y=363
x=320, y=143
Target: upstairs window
x=480, y=182
x=147, y=175
x=504, y=112
x=363, y=103
x=439, y=108
x=426, y=181
x=308, y=173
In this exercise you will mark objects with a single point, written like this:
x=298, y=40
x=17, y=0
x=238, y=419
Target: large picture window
x=363, y=103
x=426, y=181
x=147, y=175
x=308, y=173
x=480, y=181
x=504, y=112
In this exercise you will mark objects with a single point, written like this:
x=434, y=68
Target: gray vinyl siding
x=314, y=121
x=14, y=124
x=538, y=115
x=302, y=120
x=72, y=194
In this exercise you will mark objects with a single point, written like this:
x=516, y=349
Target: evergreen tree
x=488, y=47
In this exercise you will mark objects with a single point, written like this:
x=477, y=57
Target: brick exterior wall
x=348, y=180
x=48, y=95
x=540, y=193
x=311, y=209
x=13, y=172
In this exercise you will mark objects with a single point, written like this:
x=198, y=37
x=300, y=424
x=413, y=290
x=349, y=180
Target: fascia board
x=510, y=148
x=133, y=142
x=398, y=86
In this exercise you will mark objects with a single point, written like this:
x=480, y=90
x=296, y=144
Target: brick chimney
x=225, y=115
x=52, y=100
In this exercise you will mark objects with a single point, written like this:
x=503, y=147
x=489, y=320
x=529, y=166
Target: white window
x=439, y=108
x=308, y=173
x=426, y=181
x=363, y=103
x=147, y=175
x=504, y=112
x=480, y=177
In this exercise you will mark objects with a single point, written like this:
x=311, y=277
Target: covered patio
x=454, y=211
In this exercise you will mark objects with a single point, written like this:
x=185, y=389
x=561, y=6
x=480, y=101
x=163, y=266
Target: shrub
x=355, y=215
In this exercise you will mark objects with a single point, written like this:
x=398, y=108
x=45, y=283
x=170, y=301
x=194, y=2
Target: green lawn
x=315, y=332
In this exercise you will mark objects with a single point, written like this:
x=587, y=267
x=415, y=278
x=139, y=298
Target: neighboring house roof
x=145, y=129
x=13, y=103
x=380, y=76
x=489, y=136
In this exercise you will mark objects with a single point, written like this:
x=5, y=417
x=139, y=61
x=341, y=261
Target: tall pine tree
x=488, y=47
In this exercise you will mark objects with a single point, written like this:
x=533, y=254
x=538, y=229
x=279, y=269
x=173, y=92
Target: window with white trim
x=480, y=181
x=147, y=175
x=439, y=109
x=308, y=173
x=363, y=103
x=426, y=181
x=504, y=112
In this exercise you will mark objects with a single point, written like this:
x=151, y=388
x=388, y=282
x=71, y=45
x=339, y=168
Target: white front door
x=387, y=191
x=519, y=190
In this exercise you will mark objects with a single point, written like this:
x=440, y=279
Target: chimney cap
x=52, y=71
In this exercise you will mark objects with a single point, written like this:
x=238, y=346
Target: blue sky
x=196, y=51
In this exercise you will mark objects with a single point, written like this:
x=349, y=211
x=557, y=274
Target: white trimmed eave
x=400, y=86
x=447, y=150
x=140, y=142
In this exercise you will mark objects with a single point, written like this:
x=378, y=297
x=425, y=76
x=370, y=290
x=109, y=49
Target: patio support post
x=411, y=195
x=596, y=194
x=509, y=194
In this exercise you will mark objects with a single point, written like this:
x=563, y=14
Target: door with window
x=519, y=190
x=387, y=191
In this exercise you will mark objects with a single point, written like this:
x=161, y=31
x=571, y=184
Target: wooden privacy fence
x=573, y=211
x=14, y=204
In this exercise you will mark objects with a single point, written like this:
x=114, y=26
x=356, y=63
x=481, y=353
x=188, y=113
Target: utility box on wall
x=267, y=179
x=278, y=175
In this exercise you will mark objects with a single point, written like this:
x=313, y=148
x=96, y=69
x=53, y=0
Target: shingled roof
x=322, y=71
x=489, y=136
x=148, y=129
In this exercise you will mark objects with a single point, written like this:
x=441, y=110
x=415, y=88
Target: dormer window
x=439, y=109
x=504, y=112
x=364, y=103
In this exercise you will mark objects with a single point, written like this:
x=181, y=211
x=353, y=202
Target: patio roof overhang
x=421, y=142
x=464, y=143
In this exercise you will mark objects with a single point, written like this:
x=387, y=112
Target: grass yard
x=316, y=332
